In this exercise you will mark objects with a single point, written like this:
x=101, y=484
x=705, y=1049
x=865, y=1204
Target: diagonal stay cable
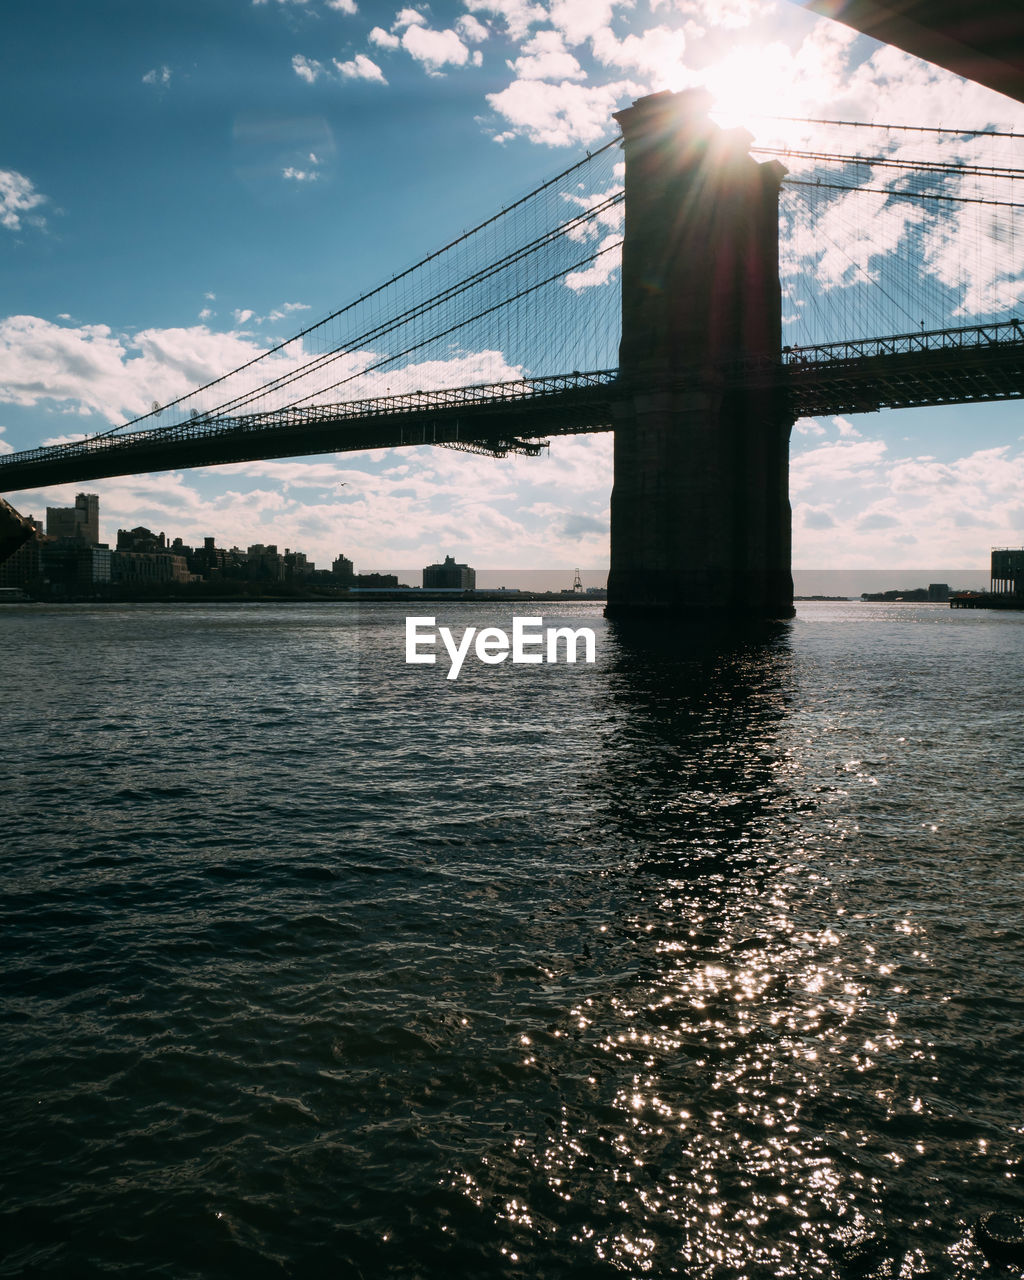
x=419, y=309
x=909, y=195
x=462, y=323
x=856, y=265
x=890, y=162
x=906, y=128
x=466, y=235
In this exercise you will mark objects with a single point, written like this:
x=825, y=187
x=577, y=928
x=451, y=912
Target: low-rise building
x=140, y=539
x=449, y=575
x=141, y=568
x=1008, y=571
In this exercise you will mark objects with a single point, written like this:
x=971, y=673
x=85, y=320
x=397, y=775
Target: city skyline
x=849, y=583
x=283, y=126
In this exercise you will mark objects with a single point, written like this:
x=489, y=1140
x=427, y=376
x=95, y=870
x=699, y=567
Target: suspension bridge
x=692, y=294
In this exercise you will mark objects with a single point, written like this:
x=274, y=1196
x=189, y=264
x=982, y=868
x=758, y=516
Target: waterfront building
x=93, y=566
x=1008, y=571
x=208, y=560
x=69, y=567
x=449, y=575
x=81, y=523
x=140, y=539
x=297, y=565
x=145, y=568
x=265, y=563
x=344, y=570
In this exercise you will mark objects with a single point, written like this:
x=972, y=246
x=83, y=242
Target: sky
x=185, y=182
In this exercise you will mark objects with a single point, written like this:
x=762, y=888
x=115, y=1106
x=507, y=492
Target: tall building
x=80, y=522
x=297, y=565
x=343, y=569
x=265, y=563
x=449, y=575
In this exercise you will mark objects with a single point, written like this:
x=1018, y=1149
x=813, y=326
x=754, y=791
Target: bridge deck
x=909, y=370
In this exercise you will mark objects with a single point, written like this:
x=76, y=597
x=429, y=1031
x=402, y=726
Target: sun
x=751, y=82
x=748, y=82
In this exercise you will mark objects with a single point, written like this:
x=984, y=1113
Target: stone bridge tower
x=700, y=515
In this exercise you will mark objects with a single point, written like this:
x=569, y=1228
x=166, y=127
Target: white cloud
x=158, y=76
x=248, y=316
x=975, y=254
x=559, y=115
x=963, y=247
x=283, y=311
x=432, y=48
x=383, y=39
x=471, y=29
x=299, y=175
x=435, y=49
x=67, y=438
x=5, y=446
x=854, y=241
x=18, y=197
x=545, y=57
x=808, y=427
x=579, y=20
x=397, y=508
x=612, y=217
x=837, y=463
x=343, y=6
x=857, y=506
x=89, y=369
x=518, y=15
x=726, y=15
x=361, y=68
x=658, y=52
x=408, y=18
x=307, y=68
x=601, y=269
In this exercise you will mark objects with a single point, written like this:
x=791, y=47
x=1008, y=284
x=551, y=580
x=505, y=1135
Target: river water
x=704, y=960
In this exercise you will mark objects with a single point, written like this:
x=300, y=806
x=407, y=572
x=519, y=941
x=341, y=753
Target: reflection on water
x=704, y=961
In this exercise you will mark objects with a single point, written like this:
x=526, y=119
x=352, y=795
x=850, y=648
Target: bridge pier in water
x=700, y=514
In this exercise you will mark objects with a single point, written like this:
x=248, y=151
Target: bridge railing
x=979, y=335
x=308, y=415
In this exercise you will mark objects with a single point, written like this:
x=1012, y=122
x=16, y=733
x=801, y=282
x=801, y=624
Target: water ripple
x=702, y=962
